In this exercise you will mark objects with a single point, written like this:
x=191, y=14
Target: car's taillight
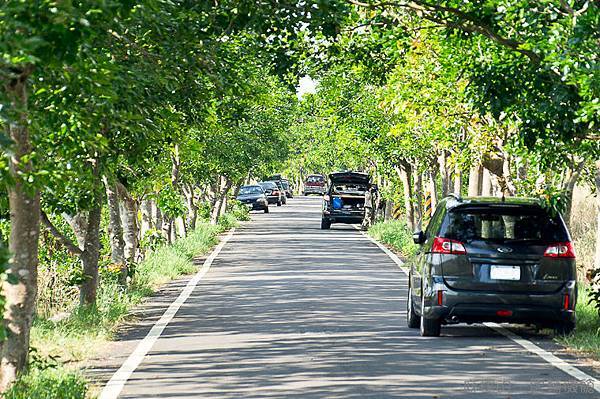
x=448, y=246
x=560, y=250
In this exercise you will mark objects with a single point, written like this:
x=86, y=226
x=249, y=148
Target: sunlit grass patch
x=395, y=234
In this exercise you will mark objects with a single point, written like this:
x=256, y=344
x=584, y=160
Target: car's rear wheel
x=412, y=320
x=429, y=327
x=325, y=224
x=564, y=327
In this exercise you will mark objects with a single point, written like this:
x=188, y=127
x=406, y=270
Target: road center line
x=525, y=343
x=115, y=385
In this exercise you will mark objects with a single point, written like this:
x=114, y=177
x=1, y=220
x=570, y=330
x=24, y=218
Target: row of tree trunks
x=24, y=205
x=220, y=200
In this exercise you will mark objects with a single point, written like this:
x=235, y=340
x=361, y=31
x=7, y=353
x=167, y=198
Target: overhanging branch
x=467, y=22
x=70, y=245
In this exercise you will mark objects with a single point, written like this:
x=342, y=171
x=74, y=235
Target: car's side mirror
x=419, y=237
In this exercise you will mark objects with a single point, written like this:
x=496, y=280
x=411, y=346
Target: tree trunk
x=405, y=173
x=221, y=196
x=457, y=181
x=573, y=174
x=167, y=225
x=418, y=199
x=24, y=205
x=90, y=256
x=129, y=215
x=432, y=190
x=597, y=181
x=486, y=183
x=157, y=216
x=192, y=209
x=146, y=225
x=180, y=228
x=115, y=230
x=389, y=206
x=475, y=177
x=444, y=173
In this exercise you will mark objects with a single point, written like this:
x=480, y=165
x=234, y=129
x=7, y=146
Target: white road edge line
x=117, y=382
x=525, y=343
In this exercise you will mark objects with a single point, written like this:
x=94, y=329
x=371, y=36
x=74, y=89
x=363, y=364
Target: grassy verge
x=396, y=235
x=86, y=331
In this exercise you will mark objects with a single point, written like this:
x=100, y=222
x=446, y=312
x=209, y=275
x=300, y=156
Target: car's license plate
x=505, y=272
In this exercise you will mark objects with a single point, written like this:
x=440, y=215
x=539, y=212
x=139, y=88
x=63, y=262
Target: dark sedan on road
x=487, y=259
x=254, y=197
x=274, y=194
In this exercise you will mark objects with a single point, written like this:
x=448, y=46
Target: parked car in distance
x=284, y=184
x=314, y=184
x=345, y=198
x=488, y=259
x=279, y=184
x=288, y=188
x=273, y=193
x=254, y=197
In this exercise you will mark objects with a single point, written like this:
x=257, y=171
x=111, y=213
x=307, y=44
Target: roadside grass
x=396, y=235
x=50, y=383
x=86, y=331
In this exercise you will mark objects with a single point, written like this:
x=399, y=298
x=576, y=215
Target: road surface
x=290, y=311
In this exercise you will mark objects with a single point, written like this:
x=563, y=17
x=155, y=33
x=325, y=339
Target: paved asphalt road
x=290, y=311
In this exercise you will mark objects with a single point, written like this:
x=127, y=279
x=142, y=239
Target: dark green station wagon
x=488, y=259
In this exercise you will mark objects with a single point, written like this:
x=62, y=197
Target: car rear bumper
x=477, y=306
x=314, y=190
x=256, y=205
x=338, y=217
x=273, y=199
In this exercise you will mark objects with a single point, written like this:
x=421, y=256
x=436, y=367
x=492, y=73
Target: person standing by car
x=370, y=201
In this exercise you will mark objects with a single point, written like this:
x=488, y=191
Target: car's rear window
x=349, y=188
x=503, y=224
x=268, y=184
x=315, y=179
x=251, y=190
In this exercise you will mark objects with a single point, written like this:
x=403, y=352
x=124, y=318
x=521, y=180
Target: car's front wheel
x=412, y=320
x=429, y=327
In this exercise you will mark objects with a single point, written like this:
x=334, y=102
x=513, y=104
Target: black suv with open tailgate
x=487, y=259
x=345, y=198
